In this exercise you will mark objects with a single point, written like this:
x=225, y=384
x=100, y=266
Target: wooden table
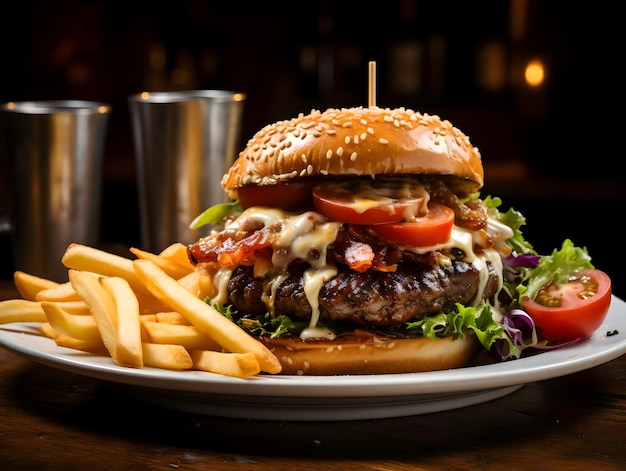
x=50, y=419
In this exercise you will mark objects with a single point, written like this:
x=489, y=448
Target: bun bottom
x=374, y=356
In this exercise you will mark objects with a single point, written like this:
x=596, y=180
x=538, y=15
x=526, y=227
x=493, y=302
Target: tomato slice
x=366, y=203
x=432, y=229
x=572, y=310
x=291, y=196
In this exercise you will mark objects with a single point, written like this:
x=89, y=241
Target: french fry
x=90, y=346
x=148, y=317
x=62, y=292
x=186, y=335
x=169, y=266
x=127, y=326
x=21, y=310
x=172, y=357
x=200, y=285
x=177, y=252
x=231, y=364
x=29, y=285
x=203, y=316
x=85, y=258
x=73, y=325
x=171, y=317
x=74, y=307
x=48, y=331
x=100, y=303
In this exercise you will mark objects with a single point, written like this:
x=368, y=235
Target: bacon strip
x=359, y=256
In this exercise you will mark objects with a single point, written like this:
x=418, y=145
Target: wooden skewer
x=372, y=84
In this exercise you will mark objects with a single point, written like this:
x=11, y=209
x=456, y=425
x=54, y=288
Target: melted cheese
x=307, y=236
x=303, y=236
x=314, y=279
x=220, y=281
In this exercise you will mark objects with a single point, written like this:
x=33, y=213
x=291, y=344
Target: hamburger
x=356, y=242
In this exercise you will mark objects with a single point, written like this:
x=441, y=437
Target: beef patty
x=372, y=298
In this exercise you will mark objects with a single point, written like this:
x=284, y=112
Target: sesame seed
x=329, y=154
x=363, y=136
x=339, y=151
x=347, y=140
x=363, y=122
x=353, y=156
x=304, y=159
x=309, y=169
x=347, y=124
x=370, y=131
x=356, y=139
x=383, y=141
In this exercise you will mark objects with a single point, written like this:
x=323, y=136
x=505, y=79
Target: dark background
x=553, y=152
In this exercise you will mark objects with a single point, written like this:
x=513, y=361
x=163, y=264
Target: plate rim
x=598, y=349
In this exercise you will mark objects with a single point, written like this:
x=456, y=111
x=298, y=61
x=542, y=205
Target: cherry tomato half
x=365, y=205
x=572, y=310
x=432, y=229
x=291, y=196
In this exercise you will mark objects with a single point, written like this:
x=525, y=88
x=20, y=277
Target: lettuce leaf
x=464, y=319
x=558, y=267
x=215, y=214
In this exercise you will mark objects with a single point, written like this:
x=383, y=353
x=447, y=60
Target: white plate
x=275, y=397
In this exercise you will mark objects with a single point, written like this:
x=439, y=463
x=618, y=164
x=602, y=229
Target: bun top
x=357, y=142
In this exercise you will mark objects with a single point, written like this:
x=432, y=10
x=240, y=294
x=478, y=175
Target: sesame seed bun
x=360, y=142
x=372, y=356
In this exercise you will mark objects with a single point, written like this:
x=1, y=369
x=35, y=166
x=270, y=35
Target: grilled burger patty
x=373, y=298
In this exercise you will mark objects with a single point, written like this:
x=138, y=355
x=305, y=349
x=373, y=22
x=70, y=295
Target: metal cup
x=184, y=144
x=55, y=151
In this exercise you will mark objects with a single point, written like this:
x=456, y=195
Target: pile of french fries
x=143, y=311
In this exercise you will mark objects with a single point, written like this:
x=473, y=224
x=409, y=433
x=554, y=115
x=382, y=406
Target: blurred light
x=406, y=67
x=534, y=73
x=157, y=58
x=491, y=66
x=518, y=20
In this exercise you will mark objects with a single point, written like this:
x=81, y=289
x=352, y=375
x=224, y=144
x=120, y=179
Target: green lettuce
x=215, y=214
x=558, y=267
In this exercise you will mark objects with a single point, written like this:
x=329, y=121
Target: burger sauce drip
x=303, y=236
